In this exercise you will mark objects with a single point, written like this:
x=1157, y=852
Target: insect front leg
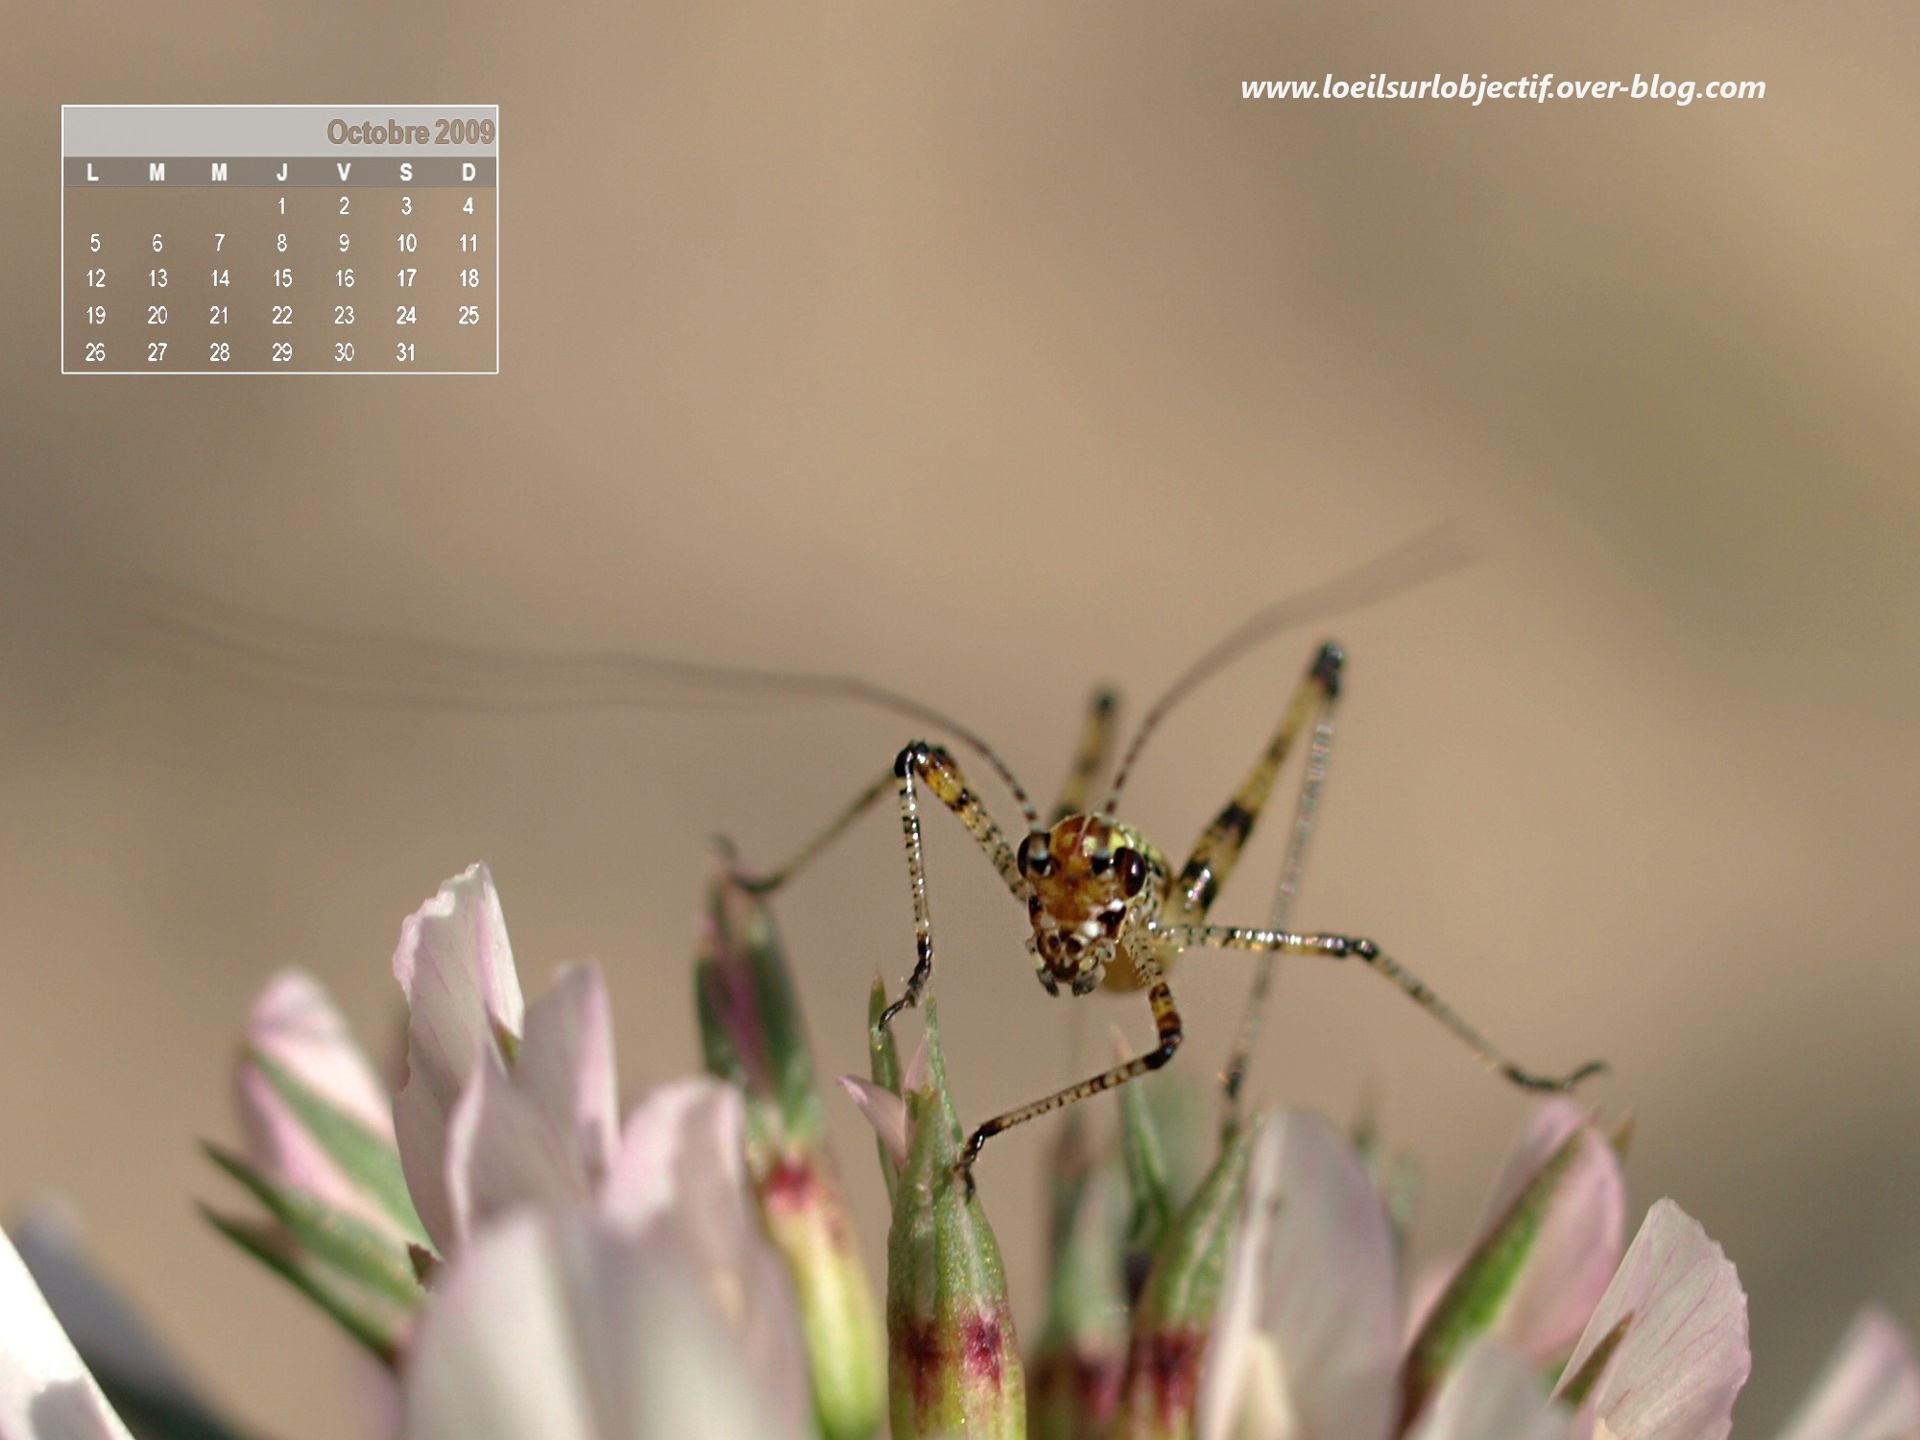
x=1341, y=947
x=1166, y=1023
x=1218, y=849
x=933, y=765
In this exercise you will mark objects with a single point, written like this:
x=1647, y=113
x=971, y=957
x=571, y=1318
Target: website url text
x=1537, y=88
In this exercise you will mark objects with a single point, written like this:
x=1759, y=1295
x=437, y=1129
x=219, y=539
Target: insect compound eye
x=1131, y=866
x=1034, y=858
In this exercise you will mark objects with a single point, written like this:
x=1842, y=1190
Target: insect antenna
x=146, y=613
x=1432, y=553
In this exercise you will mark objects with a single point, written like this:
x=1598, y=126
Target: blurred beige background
x=985, y=350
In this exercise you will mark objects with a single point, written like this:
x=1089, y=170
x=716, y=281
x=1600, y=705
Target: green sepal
x=753, y=1038
x=1484, y=1280
x=1073, y=1378
x=751, y=1031
x=1575, y=1391
x=953, y=1362
x=376, y=1325
x=1184, y=1285
x=1140, y=1145
x=1174, y=1314
x=367, y=1159
x=348, y=1244
x=883, y=1058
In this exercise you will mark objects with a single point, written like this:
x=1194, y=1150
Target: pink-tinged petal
x=919, y=1073
x=295, y=1024
x=1580, y=1239
x=1870, y=1388
x=1310, y=1312
x=1493, y=1393
x=46, y=1392
x=556, y=1327
x=493, y=1357
x=681, y=1171
x=456, y=969
x=504, y=1151
x=681, y=1144
x=1684, y=1354
x=681, y=1153
x=885, y=1111
x=565, y=1066
x=1549, y=1123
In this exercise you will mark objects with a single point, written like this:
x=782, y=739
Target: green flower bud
x=954, y=1365
x=753, y=1036
x=1175, y=1311
x=1082, y=1352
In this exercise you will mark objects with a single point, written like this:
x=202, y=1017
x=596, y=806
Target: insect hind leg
x=1341, y=947
x=1090, y=757
x=772, y=880
x=1306, y=807
x=1218, y=849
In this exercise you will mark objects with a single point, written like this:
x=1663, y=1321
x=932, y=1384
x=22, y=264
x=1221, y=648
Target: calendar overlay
x=280, y=239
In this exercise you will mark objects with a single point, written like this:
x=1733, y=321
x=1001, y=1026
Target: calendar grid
x=275, y=240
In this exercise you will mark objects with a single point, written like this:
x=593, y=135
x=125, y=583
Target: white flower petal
x=1313, y=1271
x=1580, y=1239
x=556, y=1326
x=682, y=1141
x=456, y=969
x=1684, y=1356
x=885, y=1111
x=493, y=1356
x=504, y=1151
x=1492, y=1393
x=1869, y=1390
x=1264, y=1406
x=566, y=1067
x=45, y=1390
x=681, y=1170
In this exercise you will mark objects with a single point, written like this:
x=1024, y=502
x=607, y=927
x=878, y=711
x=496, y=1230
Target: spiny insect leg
x=1340, y=947
x=930, y=763
x=1090, y=758
x=1166, y=1022
x=771, y=881
x=1306, y=807
x=1218, y=849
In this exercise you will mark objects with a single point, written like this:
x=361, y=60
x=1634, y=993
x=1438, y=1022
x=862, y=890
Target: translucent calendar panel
x=280, y=239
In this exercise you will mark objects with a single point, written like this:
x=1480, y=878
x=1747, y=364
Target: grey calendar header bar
x=479, y=171
x=279, y=131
